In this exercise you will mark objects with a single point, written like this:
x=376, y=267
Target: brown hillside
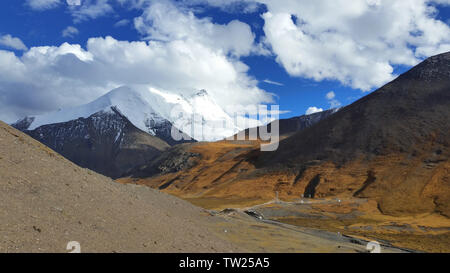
x=412, y=215
x=410, y=115
x=221, y=171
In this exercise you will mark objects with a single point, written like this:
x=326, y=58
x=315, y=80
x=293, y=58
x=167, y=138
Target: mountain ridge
x=289, y=126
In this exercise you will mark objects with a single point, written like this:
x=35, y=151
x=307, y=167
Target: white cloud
x=43, y=4
x=70, y=32
x=313, y=110
x=273, y=82
x=73, y=2
x=90, y=9
x=442, y=2
x=355, y=44
x=12, y=42
x=162, y=20
x=232, y=6
x=122, y=23
x=331, y=97
x=183, y=54
x=48, y=78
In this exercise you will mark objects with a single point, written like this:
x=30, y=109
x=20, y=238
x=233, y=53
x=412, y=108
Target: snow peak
x=194, y=263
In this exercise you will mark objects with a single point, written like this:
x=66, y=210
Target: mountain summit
x=152, y=111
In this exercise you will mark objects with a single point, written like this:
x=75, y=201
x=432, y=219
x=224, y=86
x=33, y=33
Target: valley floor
x=222, y=180
x=353, y=218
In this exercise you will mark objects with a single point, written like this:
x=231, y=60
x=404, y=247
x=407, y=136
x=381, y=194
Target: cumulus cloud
x=232, y=6
x=42, y=4
x=331, y=97
x=355, y=44
x=182, y=54
x=48, y=78
x=443, y=2
x=70, y=32
x=73, y=2
x=313, y=110
x=122, y=23
x=12, y=42
x=162, y=20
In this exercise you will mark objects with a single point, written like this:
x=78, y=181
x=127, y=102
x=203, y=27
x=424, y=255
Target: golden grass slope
x=397, y=199
x=400, y=185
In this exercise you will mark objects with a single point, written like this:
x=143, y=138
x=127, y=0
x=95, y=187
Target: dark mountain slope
x=180, y=158
x=403, y=116
x=105, y=142
x=287, y=127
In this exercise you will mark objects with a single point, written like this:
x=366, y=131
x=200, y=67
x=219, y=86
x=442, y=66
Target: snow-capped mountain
x=151, y=110
x=128, y=126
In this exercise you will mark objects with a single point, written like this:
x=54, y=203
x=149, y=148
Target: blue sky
x=297, y=86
